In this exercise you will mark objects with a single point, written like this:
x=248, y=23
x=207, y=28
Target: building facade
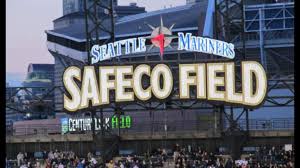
x=39, y=81
x=73, y=12
x=40, y=77
x=72, y=6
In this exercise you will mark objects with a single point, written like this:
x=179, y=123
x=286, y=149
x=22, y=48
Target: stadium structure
x=39, y=79
x=260, y=30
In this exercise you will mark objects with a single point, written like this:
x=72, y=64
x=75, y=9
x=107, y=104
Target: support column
x=263, y=58
x=247, y=120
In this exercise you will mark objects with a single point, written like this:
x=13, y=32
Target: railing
x=272, y=124
x=37, y=130
x=269, y=35
x=162, y=127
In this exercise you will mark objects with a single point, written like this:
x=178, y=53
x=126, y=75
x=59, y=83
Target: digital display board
x=85, y=124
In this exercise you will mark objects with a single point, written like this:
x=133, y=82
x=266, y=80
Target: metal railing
x=162, y=127
x=272, y=124
x=270, y=35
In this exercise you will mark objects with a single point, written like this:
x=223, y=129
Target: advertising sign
x=85, y=124
x=162, y=40
x=95, y=87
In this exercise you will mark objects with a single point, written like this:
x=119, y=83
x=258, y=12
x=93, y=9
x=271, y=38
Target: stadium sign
x=186, y=42
x=90, y=87
x=84, y=124
x=162, y=37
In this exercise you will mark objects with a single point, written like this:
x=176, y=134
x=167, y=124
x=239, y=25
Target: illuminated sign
x=125, y=122
x=205, y=45
x=64, y=125
x=162, y=37
x=185, y=42
x=209, y=85
x=111, y=50
x=85, y=124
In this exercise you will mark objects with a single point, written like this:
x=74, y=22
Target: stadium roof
x=119, y=9
x=177, y=15
x=70, y=15
x=40, y=67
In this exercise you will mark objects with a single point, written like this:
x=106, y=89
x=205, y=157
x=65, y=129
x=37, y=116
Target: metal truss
x=233, y=20
x=235, y=128
x=229, y=23
x=173, y=102
x=99, y=18
x=271, y=22
x=22, y=99
x=273, y=17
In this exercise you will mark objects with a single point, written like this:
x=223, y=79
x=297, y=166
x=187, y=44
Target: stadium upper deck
x=71, y=40
x=269, y=27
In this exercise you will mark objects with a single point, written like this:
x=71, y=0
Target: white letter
x=184, y=41
x=95, y=53
x=201, y=82
x=72, y=88
x=231, y=96
x=89, y=88
x=166, y=73
x=105, y=83
x=123, y=83
x=142, y=94
x=214, y=81
x=185, y=80
x=248, y=69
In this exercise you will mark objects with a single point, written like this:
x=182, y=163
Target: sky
x=26, y=22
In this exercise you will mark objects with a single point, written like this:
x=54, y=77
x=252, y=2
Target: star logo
x=161, y=37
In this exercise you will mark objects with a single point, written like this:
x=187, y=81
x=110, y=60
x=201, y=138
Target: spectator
x=229, y=163
x=183, y=158
x=23, y=165
x=93, y=162
x=60, y=165
x=122, y=165
x=56, y=154
x=50, y=155
x=48, y=164
x=89, y=156
x=110, y=164
x=38, y=164
x=20, y=158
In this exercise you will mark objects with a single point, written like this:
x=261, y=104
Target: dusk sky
x=26, y=22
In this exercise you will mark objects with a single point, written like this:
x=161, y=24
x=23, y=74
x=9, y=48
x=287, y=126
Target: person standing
x=50, y=155
x=89, y=156
x=60, y=165
x=48, y=163
x=20, y=158
x=80, y=164
x=122, y=165
x=229, y=163
x=110, y=164
x=6, y=165
x=56, y=154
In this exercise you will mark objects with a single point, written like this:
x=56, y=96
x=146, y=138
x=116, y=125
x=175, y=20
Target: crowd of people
x=265, y=157
x=56, y=159
x=136, y=162
x=273, y=157
x=197, y=157
x=178, y=157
